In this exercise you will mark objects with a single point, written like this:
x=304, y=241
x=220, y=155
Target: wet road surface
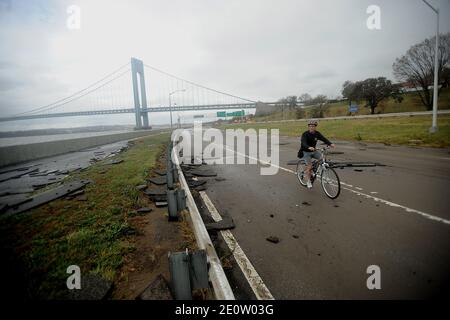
x=394, y=216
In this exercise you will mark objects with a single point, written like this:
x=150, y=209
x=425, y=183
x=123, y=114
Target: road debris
x=16, y=174
x=144, y=210
x=273, y=239
x=160, y=204
x=224, y=224
x=203, y=173
x=47, y=196
x=158, y=180
x=116, y=161
x=160, y=172
x=158, y=289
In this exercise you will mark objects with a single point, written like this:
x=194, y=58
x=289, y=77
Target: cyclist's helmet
x=312, y=122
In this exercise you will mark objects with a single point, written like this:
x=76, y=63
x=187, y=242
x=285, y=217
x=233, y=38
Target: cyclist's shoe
x=309, y=184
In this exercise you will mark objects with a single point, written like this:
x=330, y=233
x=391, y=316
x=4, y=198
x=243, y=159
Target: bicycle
x=329, y=179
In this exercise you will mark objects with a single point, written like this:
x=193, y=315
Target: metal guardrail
x=221, y=286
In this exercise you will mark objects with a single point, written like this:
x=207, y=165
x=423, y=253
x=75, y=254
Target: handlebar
x=324, y=147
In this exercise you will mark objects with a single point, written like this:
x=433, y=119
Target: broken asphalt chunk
x=14, y=200
x=273, y=239
x=224, y=224
x=194, y=184
x=160, y=204
x=7, y=192
x=203, y=173
x=160, y=172
x=48, y=196
x=158, y=180
x=16, y=174
x=200, y=188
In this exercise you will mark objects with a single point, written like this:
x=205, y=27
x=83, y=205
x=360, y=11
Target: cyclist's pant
x=308, y=156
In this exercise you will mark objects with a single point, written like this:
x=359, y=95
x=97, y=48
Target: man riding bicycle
x=308, y=148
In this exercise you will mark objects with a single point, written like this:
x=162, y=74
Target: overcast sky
x=261, y=50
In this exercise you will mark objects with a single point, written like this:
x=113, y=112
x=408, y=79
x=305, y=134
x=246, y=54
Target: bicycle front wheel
x=300, y=172
x=330, y=183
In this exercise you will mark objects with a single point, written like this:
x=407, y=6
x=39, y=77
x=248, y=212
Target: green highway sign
x=222, y=114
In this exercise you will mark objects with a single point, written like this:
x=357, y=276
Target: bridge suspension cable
x=197, y=85
x=61, y=102
x=87, y=92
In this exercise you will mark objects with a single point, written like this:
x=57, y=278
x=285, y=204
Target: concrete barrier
x=26, y=152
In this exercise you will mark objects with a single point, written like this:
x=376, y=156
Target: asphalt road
x=395, y=216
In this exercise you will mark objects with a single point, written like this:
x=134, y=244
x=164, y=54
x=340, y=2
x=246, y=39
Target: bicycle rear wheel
x=330, y=183
x=300, y=172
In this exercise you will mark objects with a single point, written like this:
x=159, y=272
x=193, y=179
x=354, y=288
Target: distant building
x=409, y=87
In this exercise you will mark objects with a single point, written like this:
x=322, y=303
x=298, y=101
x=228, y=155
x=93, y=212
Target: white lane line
x=252, y=276
x=395, y=205
x=389, y=203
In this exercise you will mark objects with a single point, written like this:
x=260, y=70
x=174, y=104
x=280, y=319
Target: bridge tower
x=140, y=101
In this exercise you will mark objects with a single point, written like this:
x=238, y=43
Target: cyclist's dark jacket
x=310, y=140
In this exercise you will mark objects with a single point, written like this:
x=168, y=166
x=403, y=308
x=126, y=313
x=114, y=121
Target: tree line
x=414, y=70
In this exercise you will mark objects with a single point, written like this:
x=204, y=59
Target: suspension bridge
x=151, y=90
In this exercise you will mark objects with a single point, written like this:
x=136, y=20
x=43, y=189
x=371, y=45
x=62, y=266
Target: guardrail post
x=169, y=178
x=172, y=205
x=175, y=173
x=198, y=269
x=181, y=200
x=179, y=272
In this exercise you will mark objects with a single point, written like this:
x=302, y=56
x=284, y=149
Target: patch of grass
x=91, y=234
x=396, y=130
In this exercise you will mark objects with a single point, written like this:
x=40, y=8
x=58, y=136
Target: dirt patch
x=155, y=238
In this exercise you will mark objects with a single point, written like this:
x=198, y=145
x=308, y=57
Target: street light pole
x=434, y=127
x=170, y=109
x=170, y=104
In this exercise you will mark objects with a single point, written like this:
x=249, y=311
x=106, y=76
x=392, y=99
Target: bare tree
x=417, y=66
x=305, y=98
x=292, y=102
x=372, y=90
x=348, y=91
x=375, y=90
x=320, y=99
x=289, y=102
